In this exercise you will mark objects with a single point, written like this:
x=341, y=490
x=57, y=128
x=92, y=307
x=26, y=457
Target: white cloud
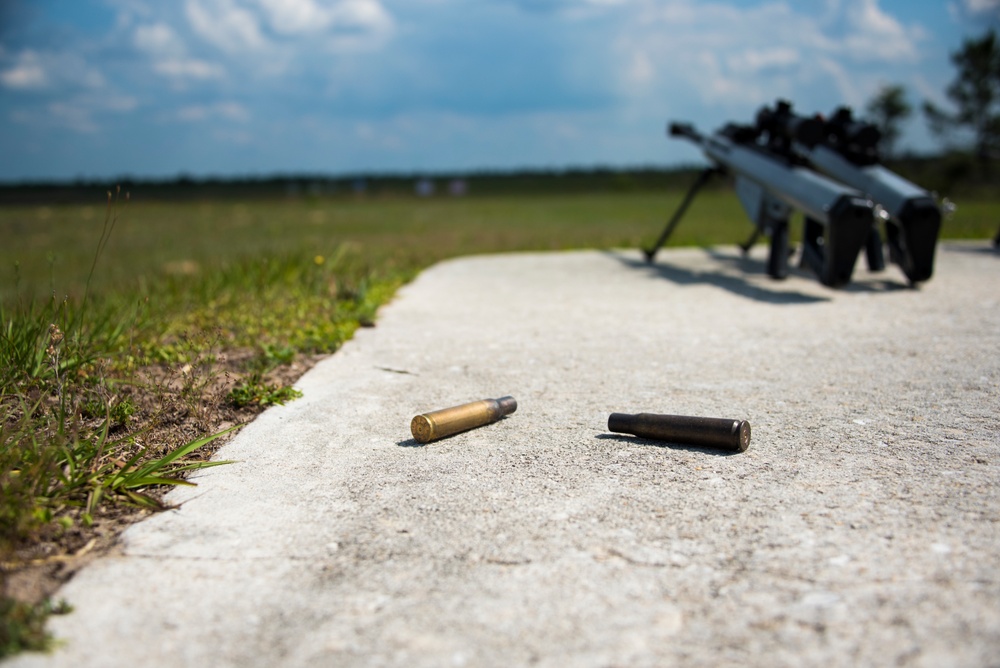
x=874, y=35
x=26, y=74
x=244, y=25
x=756, y=59
x=129, y=11
x=733, y=55
x=982, y=6
x=640, y=71
x=369, y=15
x=230, y=111
x=558, y=80
x=38, y=70
x=848, y=88
x=188, y=68
x=720, y=52
x=159, y=39
x=292, y=17
x=717, y=85
x=572, y=7
x=277, y=38
x=295, y=16
x=225, y=24
x=169, y=54
x=972, y=13
x=77, y=113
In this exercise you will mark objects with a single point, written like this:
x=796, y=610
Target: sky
x=103, y=89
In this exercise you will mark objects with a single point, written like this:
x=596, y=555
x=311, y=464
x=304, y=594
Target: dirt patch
x=174, y=405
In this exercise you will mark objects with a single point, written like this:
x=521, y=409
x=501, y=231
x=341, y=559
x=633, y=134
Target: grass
x=187, y=244
x=134, y=339
x=254, y=388
x=22, y=625
x=178, y=242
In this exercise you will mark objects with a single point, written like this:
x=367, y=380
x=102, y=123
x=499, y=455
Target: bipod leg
x=748, y=244
x=873, y=251
x=777, y=261
x=669, y=229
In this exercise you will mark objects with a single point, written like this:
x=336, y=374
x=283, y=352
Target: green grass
x=973, y=219
x=22, y=625
x=55, y=245
x=103, y=308
x=254, y=389
x=188, y=243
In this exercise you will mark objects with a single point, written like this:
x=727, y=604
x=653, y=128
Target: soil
x=173, y=406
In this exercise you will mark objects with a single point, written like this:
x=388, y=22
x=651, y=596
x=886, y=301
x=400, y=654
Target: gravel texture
x=862, y=526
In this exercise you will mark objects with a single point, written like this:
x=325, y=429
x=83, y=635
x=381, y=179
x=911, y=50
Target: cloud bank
x=210, y=86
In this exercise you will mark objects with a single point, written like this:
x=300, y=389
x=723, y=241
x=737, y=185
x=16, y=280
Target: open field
x=54, y=246
x=199, y=314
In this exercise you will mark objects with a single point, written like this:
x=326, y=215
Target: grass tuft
x=22, y=625
x=254, y=390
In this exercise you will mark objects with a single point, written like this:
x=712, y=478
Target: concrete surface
x=860, y=528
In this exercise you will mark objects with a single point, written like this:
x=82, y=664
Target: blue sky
x=150, y=88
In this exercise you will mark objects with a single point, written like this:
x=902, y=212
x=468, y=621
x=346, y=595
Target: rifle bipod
x=703, y=178
x=777, y=230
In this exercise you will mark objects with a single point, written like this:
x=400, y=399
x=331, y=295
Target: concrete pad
x=862, y=527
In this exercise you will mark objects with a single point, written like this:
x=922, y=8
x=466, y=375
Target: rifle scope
x=782, y=122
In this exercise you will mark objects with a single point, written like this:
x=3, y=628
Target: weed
x=116, y=409
x=22, y=625
x=273, y=355
x=254, y=390
x=73, y=438
x=140, y=472
x=52, y=464
x=110, y=219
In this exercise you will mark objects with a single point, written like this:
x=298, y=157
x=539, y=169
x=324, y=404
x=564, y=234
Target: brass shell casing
x=721, y=433
x=431, y=426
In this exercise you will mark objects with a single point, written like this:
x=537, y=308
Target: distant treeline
x=442, y=184
x=947, y=175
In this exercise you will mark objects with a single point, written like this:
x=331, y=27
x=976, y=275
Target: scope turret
x=782, y=124
x=855, y=140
